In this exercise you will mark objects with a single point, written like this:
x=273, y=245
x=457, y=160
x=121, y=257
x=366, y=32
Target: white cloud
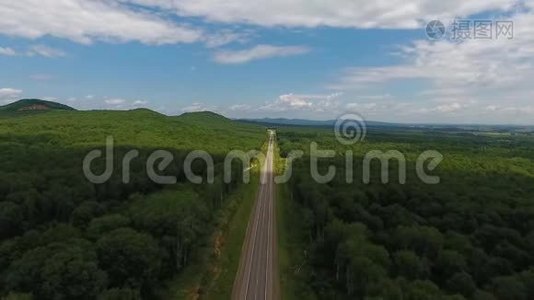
x=359, y=107
x=225, y=37
x=449, y=77
x=197, y=107
x=94, y=102
x=9, y=94
x=35, y=50
x=449, y=108
x=115, y=101
x=146, y=21
x=257, y=52
x=296, y=102
x=7, y=51
x=140, y=102
x=240, y=107
x=86, y=21
x=45, y=51
x=333, y=13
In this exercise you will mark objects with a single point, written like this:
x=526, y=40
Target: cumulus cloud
x=453, y=76
x=334, y=13
x=86, y=21
x=145, y=21
x=43, y=50
x=197, y=107
x=140, y=102
x=7, y=51
x=9, y=94
x=95, y=102
x=115, y=101
x=35, y=50
x=225, y=37
x=256, y=53
x=292, y=102
x=240, y=107
x=449, y=108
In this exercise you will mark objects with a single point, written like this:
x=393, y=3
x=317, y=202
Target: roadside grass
x=287, y=284
x=219, y=281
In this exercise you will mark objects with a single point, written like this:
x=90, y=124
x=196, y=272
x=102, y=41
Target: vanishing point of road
x=257, y=276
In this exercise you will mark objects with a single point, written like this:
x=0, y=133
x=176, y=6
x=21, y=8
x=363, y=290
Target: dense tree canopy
x=468, y=237
x=63, y=237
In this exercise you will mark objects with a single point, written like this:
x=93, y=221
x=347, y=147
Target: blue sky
x=292, y=58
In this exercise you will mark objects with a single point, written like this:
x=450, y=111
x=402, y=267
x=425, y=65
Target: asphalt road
x=257, y=277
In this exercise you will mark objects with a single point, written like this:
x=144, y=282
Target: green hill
x=204, y=117
x=33, y=105
x=139, y=127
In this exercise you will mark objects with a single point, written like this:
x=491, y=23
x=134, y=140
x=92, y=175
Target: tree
x=85, y=212
x=450, y=262
x=462, y=283
x=385, y=289
x=130, y=258
x=105, y=224
x=67, y=270
x=509, y=287
x=421, y=290
x=11, y=219
x=410, y=266
x=72, y=274
x=424, y=240
x=120, y=294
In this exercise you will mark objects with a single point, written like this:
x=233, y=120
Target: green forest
x=469, y=237
x=63, y=237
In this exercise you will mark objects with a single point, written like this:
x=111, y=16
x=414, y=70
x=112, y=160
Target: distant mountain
x=33, y=105
x=393, y=126
x=314, y=123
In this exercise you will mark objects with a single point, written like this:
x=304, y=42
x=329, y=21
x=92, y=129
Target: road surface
x=257, y=276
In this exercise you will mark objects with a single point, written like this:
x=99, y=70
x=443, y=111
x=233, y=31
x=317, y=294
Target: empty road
x=257, y=276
